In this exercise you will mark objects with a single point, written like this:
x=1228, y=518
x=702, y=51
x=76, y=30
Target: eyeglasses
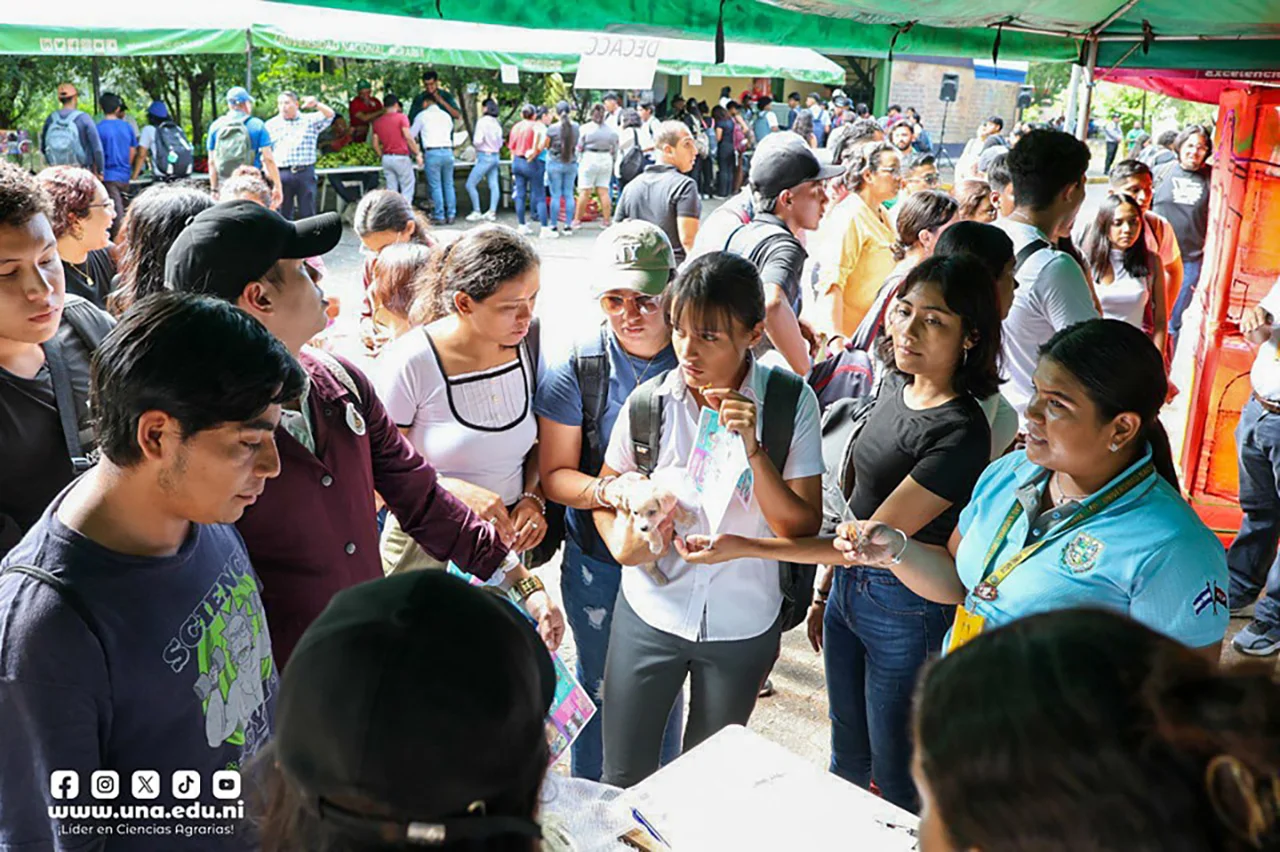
x=930, y=179
x=614, y=305
x=105, y=205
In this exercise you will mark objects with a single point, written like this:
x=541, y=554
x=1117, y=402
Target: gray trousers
x=645, y=671
x=401, y=176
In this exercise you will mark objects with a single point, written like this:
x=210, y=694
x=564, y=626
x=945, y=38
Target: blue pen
x=639, y=817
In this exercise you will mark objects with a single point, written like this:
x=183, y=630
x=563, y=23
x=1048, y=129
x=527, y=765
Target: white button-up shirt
x=1265, y=374
x=735, y=600
x=434, y=127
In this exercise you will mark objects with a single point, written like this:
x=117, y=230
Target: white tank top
x=477, y=427
x=1125, y=298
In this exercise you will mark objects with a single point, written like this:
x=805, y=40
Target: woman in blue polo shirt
x=1089, y=515
x=578, y=402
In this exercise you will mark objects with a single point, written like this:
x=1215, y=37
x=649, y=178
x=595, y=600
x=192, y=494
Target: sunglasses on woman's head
x=614, y=305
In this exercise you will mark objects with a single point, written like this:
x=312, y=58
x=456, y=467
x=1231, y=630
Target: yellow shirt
x=852, y=252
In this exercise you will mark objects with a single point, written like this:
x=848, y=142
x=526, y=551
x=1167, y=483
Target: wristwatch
x=528, y=586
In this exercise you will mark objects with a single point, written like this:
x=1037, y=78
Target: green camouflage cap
x=632, y=255
x=362, y=85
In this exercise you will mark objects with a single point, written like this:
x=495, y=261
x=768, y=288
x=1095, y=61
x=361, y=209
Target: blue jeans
x=877, y=634
x=438, y=164
x=529, y=184
x=1190, y=277
x=590, y=589
x=486, y=167
x=1252, y=556
x=561, y=177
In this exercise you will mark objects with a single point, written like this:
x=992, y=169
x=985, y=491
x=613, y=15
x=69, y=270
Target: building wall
x=916, y=82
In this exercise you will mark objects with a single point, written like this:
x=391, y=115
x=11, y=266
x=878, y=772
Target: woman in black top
x=726, y=157
x=917, y=461
x=81, y=218
x=1181, y=195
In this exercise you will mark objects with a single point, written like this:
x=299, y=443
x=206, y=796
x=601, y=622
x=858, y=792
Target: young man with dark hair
x=919, y=172
x=663, y=193
x=789, y=198
x=432, y=94
x=967, y=166
x=1001, y=183
x=314, y=532
x=47, y=340
x=793, y=108
x=135, y=642
x=1048, y=169
x=119, y=147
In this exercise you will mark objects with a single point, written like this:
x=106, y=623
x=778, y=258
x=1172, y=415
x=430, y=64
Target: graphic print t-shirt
x=182, y=679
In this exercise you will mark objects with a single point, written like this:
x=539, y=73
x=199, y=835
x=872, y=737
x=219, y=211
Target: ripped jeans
x=590, y=589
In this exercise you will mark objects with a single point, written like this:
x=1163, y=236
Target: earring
x=1115, y=448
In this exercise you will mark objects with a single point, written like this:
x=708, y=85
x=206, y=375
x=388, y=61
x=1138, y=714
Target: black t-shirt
x=92, y=279
x=34, y=465
x=944, y=449
x=660, y=195
x=777, y=254
x=1182, y=197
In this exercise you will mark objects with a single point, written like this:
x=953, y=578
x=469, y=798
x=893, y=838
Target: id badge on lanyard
x=967, y=627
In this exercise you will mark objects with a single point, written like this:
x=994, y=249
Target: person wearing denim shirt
x=633, y=263
x=488, y=142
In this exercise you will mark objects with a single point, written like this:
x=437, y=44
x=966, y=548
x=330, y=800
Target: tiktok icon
x=186, y=784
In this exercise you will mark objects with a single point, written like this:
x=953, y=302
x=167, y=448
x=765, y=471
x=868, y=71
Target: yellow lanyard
x=987, y=589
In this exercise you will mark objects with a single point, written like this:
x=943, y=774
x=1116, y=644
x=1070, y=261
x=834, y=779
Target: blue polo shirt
x=1147, y=555
x=559, y=398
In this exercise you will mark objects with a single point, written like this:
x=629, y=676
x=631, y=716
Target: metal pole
x=248, y=60
x=1086, y=102
x=1073, y=95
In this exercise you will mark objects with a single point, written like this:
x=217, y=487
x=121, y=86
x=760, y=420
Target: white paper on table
x=739, y=791
x=719, y=468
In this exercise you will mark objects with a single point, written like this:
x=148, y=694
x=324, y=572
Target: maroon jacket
x=313, y=531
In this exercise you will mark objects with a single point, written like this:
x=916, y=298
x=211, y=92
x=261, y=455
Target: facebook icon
x=64, y=784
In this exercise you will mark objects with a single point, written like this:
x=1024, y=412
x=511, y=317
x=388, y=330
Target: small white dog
x=650, y=504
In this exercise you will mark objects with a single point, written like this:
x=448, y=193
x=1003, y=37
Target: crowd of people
x=223, y=540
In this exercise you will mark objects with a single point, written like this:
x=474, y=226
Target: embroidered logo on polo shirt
x=1213, y=596
x=1081, y=553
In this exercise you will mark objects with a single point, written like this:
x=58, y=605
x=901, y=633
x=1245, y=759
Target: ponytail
x=1162, y=453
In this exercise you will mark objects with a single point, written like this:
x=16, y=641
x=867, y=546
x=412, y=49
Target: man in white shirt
x=612, y=110
x=1048, y=169
x=650, y=127
x=433, y=128
x=967, y=165
x=1252, y=556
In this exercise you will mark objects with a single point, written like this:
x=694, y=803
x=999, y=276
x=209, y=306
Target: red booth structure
x=1243, y=257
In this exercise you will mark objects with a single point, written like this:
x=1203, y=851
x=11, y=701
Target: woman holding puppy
x=719, y=627
x=916, y=462
x=579, y=400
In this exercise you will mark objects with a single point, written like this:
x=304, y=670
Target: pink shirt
x=389, y=128
x=488, y=135
x=523, y=137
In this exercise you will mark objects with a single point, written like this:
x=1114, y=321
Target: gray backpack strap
x=335, y=368
x=644, y=410
x=592, y=371
x=533, y=348
x=781, y=397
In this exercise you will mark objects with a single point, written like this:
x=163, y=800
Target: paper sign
x=695, y=77
x=719, y=468
x=571, y=709
x=510, y=74
x=611, y=61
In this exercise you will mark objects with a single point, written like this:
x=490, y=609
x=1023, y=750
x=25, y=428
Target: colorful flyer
x=719, y=468
x=571, y=709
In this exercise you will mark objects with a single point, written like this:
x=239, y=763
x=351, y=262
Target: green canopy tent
x=155, y=27
x=1233, y=34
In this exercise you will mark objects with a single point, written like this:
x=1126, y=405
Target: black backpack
x=842, y=423
x=172, y=157
x=591, y=367
x=632, y=162
x=551, y=542
x=781, y=397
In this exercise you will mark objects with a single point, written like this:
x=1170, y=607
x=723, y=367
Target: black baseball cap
x=236, y=242
x=425, y=696
x=784, y=163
